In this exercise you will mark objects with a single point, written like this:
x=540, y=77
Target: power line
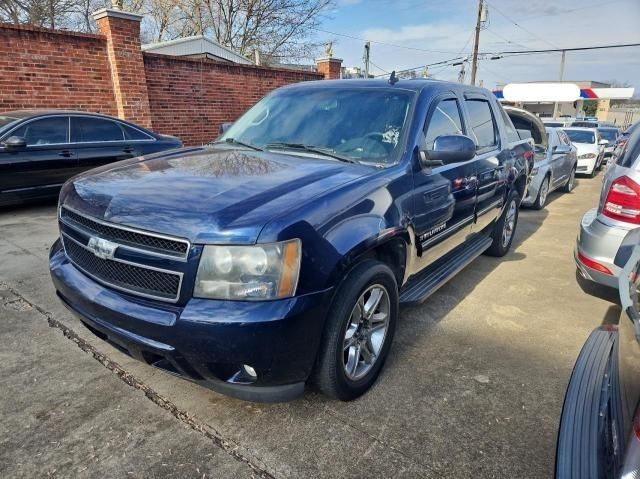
x=382, y=43
x=574, y=49
x=520, y=26
x=507, y=40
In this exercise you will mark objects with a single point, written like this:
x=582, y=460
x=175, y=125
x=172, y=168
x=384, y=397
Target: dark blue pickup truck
x=280, y=253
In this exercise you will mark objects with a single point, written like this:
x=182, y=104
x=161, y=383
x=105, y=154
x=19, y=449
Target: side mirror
x=15, y=142
x=561, y=149
x=449, y=149
x=224, y=127
x=603, y=142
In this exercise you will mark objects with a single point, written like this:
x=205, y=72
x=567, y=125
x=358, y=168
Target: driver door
x=46, y=161
x=444, y=196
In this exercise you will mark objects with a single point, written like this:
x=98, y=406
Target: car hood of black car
x=207, y=195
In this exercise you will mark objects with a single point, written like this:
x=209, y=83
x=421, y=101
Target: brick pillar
x=330, y=67
x=122, y=31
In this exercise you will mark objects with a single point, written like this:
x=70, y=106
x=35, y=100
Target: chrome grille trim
x=174, y=299
x=185, y=245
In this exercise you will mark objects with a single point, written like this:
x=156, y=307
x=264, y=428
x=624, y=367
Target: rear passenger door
x=100, y=141
x=444, y=195
x=489, y=166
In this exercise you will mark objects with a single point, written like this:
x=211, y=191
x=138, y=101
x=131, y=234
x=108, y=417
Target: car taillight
x=589, y=263
x=623, y=201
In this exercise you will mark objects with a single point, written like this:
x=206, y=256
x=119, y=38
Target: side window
x=131, y=133
x=482, y=123
x=510, y=130
x=48, y=131
x=89, y=130
x=563, y=137
x=445, y=120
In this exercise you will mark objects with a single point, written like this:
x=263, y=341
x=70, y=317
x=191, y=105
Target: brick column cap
x=329, y=59
x=109, y=12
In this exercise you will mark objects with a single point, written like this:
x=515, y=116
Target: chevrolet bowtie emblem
x=102, y=248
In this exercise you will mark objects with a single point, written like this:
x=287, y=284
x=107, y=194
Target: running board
x=428, y=281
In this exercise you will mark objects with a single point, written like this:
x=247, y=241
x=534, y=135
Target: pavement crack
x=227, y=445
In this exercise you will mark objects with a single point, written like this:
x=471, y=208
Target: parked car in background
x=611, y=134
x=279, y=254
x=590, y=148
x=557, y=122
x=599, y=434
x=602, y=229
x=623, y=138
x=555, y=167
x=594, y=123
x=41, y=149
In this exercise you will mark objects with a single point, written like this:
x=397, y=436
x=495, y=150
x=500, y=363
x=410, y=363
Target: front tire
x=541, y=199
x=568, y=186
x=505, y=228
x=359, y=331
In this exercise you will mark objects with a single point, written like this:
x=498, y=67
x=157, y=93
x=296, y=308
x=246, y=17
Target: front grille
x=126, y=236
x=124, y=276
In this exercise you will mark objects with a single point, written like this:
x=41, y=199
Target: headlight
x=257, y=272
x=586, y=156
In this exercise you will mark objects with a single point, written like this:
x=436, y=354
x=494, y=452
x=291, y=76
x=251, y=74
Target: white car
x=590, y=147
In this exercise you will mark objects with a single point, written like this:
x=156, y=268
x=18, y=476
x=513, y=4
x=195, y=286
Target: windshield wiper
x=311, y=149
x=233, y=141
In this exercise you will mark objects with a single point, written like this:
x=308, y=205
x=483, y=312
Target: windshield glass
x=553, y=123
x=364, y=124
x=581, y=136
x=6, y=120
x=610, y=134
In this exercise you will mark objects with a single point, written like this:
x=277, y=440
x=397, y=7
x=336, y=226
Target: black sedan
x=40, y=150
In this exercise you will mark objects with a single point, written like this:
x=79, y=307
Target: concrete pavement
x=473, y=387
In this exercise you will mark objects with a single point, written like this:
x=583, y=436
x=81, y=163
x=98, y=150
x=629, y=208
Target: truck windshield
x=581, y=136
x=364, y=124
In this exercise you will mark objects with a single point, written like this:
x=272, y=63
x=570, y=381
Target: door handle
x=65, y=153
x=128, y=149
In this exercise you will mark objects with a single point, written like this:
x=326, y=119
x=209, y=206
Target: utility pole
x=555, y=105
x=474, y=62
x=367, y=51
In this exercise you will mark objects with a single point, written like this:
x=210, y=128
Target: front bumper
x=599, y=242
x=204, y=341
x=586, y=165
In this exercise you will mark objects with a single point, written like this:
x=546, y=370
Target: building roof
x=196, y=46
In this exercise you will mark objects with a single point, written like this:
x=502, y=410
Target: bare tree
x=278, y=29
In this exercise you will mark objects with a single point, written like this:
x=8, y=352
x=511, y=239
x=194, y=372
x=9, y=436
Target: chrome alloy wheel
x=366, y=331
x=572, y=179
x=544, y=191
x=509, y=223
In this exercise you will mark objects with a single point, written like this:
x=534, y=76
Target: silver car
x=602, y=229
x=555, y=167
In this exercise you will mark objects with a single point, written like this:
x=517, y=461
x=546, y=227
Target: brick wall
x=192, y=98
x=42, y=68
x=108, y=73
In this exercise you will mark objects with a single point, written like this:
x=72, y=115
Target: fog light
x=250, y=371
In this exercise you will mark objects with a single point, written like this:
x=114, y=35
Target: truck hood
x=215, y=194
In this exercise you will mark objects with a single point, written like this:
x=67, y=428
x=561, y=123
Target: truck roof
x=417, y=84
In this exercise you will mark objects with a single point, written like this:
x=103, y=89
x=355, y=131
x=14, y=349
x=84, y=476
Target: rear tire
x=543, y=193
x=505, y=227
x=568, y=186
x=344, y=338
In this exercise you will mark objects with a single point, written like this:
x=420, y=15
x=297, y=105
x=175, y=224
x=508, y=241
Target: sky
x=430, y=31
